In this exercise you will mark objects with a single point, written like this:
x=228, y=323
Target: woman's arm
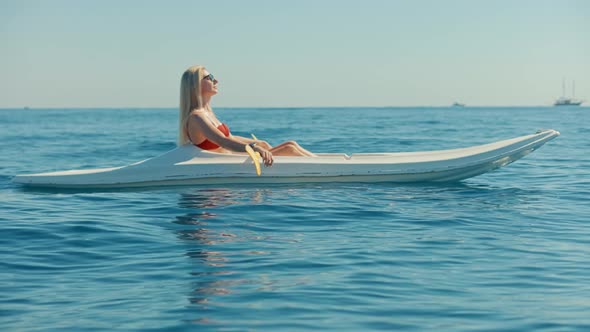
x=203, y=125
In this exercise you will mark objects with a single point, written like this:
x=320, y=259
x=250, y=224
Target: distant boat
x=456, y=104
x=563, y=101
x=566, y=101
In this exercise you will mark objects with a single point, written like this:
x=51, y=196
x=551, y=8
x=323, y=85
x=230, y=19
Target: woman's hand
x=265, y=154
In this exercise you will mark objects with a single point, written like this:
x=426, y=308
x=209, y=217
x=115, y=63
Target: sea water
x=505, y=251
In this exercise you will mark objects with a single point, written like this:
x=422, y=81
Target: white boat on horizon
x=567, y=101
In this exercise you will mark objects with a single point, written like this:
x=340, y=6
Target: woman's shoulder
x=199, y=111
x=198, y=116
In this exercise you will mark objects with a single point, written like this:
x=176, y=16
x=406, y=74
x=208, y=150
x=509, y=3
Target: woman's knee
x=287, y=150
x=287, y=144
x=293, y=144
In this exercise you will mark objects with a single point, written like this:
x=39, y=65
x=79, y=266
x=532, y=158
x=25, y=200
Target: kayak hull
x=188, y=165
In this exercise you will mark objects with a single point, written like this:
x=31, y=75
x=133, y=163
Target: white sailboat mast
x=573, y=89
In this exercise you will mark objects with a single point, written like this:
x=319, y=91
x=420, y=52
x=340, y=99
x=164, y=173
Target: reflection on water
x=212, y=275
x=207, y=198
x=234, y=257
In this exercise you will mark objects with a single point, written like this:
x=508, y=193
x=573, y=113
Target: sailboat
x=566, y=101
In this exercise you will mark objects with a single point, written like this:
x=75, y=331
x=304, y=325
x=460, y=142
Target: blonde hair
x=190, y=99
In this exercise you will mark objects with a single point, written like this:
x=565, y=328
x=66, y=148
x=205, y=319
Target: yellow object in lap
x=255, y=157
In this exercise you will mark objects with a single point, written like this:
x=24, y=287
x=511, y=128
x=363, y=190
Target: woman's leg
x=290, y=148
x=286, y=150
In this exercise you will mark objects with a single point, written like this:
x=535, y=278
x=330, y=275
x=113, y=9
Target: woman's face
x=208, y=84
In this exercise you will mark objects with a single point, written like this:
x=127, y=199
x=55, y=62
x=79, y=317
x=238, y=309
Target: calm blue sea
x=505, y=251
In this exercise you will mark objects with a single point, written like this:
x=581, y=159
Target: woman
x=198, y=124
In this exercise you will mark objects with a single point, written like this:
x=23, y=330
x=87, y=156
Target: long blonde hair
x=190, y=99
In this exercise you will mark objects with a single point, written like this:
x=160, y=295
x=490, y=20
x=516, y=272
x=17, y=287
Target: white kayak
x=188, y=165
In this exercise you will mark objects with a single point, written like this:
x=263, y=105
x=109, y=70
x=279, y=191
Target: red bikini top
x=207, y=144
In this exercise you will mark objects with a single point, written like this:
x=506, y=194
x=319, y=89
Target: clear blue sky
x=293, y=53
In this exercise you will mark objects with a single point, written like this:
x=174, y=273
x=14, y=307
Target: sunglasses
x=210, y=77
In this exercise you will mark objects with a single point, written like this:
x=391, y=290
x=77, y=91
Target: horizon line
x=279, y=107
